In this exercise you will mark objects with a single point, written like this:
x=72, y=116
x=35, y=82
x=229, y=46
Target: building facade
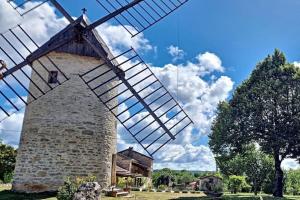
x=67, y=132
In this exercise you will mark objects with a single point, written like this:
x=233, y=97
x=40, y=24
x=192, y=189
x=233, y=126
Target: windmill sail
x=16, y=45
x=19, y=5
x=25, y=6
x=145, y=107
x=139, y=14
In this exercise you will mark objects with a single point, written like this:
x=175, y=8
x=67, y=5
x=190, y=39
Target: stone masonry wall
x=67, y=132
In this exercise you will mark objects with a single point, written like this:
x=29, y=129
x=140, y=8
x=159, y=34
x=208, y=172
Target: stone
x=88, y=191
x=56, y=138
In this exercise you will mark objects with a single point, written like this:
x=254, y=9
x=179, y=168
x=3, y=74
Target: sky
x=210, y=45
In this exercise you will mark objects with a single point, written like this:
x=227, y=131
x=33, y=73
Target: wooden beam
x=113, y=14
x=116, y=70
x=62, y=10
x=114, y=170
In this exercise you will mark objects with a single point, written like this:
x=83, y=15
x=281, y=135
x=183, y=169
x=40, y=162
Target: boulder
x=88, y=191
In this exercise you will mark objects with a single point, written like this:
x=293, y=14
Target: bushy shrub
x=185, y=191
x=246, y=188
x=292, y=182
x=8, y=177
x=217, y=188
x=162, y=187
x=67, y=191
x=123, y=182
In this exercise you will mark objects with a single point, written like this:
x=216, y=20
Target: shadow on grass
x=10, y=195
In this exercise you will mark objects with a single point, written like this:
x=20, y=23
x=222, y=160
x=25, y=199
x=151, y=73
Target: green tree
x=184, y=177
x=292, y=182
x=257, y=167
x=163, y=177
x=253, y=163
x=236, y=183
x=265, y=110
x=7, y=161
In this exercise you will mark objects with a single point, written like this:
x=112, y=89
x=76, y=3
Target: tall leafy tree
x=7, y=160
x=265, y=110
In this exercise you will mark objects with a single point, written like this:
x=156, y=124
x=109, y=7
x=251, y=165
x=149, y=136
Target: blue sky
x=240, y=32
x=222, y=39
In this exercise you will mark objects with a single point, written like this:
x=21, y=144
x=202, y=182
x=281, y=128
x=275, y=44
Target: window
x=52, y=79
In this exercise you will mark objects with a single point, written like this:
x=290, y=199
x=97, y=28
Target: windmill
x=77, y=91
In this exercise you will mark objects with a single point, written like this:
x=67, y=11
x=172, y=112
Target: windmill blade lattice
x=25, y=6
x=143, y=105
x=145, y=108
x=16, y=45
x=19, y=5
x=141, y=15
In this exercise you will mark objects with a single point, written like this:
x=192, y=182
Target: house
x=208, y=183
x=130, y=163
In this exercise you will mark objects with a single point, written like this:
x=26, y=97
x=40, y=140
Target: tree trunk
x=255, y=187
x=278, y=190
x=255, y=191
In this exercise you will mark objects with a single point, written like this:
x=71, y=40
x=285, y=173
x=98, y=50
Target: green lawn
x=6, y=194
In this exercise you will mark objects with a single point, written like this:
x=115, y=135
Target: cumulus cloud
x=289, y=163
x=118, y=39
x=40, y=23
x=10, y=129
x=297, y=64
x=199, y=98
x=176, y=53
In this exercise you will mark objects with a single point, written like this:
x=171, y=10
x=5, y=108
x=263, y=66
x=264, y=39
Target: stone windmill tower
x=75, y=89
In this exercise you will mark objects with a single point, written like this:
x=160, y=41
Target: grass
x=158, y=196
x=6, y=194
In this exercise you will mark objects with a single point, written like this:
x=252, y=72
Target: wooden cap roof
x=69, y=40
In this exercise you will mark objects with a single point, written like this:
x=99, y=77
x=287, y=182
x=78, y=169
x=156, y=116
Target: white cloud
x=10, y=129
x=186, y=157
x=176, y=53
x=117, y=38
x=40, y=23
x=297, y=64
x=199, y=98
x=210, y=62
x=289, y=163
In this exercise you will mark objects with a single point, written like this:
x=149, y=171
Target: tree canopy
x=264, y=110
x=7, y=160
